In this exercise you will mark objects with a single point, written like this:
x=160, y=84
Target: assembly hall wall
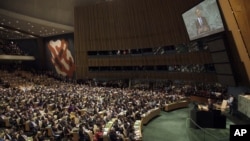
x=128, y=25
x=237, y=15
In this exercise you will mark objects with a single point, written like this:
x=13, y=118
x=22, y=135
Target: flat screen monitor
x=203, y=20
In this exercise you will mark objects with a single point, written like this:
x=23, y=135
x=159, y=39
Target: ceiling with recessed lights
x=25, y=19
x=17, y=26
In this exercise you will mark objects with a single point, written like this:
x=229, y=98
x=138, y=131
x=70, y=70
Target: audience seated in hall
x=37, y=103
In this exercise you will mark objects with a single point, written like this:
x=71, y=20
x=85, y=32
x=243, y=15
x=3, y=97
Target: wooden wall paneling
x=177, y=59
x=153, y=61
x=102, y=26
x=96, y=33
x=188, y=59
x=165, y=60
x=207, y=58
x=242, y=15
x=232, y=26
x=159, y=60
x=142, y=61
x=170, y=59
x=95, y=28
x=114, y=61
x=92, y=27
x=153, y=24
x=195, y=57
x=192, y=58
x=185, y=59
x=173, y=59
x=137, y=60
x=162, y=60
x=199, y=57
x=114, y=21
x=202, y=58
x=123, y=61
x=110, y=24
x=159, y=26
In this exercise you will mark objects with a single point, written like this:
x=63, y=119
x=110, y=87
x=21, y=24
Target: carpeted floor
x=168, y=126
x=174, y=126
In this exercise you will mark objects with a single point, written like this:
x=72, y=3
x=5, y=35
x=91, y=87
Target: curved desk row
x=75, y=134
x=176, y=105
x=150, y=115
x=138, y=130
x=144, y=120
x=198, y=99
x=107, y=129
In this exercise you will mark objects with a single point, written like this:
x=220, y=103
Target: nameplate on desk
x=105, y=133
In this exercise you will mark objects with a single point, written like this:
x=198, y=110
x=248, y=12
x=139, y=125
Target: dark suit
x=21, y=138
x=210, y=107
x=83, y=136
x=113, y=136
x=202, y=25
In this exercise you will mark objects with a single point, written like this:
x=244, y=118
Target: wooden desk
x=50, y=107
x=150, y=115
x=101, y=113
x=176, y=105
x=198, y=99
x=138, y=130
x=75, y=134
x=201, y=99
x=6, y=121
x=83, y=111
x=49, y=131
x=27, y=126
x=29, y=139
x=107, y=128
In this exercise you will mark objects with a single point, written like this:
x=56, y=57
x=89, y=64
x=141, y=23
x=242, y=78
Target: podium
x=208, y=119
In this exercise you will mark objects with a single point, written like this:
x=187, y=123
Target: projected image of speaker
x=203, y=20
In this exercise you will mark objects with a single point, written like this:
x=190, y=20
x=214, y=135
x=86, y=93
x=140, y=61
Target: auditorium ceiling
x=24, y=19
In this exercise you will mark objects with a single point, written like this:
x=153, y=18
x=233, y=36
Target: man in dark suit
x=210, y=105
x=230, y=103
x=83, y=135
x=201, y=22
x=113, y=135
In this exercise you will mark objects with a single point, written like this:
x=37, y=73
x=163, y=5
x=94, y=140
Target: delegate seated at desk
x=208, y=107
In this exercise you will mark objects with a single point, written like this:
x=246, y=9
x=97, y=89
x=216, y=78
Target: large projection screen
x=203, y=20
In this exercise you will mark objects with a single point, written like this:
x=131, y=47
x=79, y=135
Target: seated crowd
x=11, y=49
x=42, y=107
